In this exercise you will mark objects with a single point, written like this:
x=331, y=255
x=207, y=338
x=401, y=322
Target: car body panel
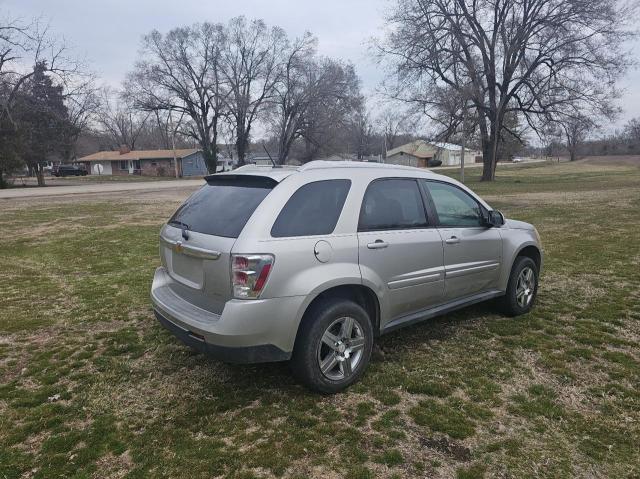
x=417, y=276
x=411, y=267
x=472, y=264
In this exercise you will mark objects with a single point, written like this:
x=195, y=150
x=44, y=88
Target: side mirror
x=495, y=218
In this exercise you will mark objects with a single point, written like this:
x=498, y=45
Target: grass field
x=92, y=386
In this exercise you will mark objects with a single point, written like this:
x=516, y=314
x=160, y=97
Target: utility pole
x=464, y=137
x=173, y=146
x=462, y=154
x=384, y=148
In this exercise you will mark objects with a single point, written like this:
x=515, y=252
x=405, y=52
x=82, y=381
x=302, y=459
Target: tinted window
x=223, y=206
x=312, y=210
x=454, y=206
x=392, y=204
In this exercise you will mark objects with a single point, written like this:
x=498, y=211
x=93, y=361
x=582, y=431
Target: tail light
x=249, y=273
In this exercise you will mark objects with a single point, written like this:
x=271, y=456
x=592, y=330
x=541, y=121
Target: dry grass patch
x=472, y=394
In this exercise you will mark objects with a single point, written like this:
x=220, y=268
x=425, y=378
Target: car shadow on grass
x=398, y=345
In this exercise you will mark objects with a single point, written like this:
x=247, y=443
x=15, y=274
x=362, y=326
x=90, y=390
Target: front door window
x=454, y=207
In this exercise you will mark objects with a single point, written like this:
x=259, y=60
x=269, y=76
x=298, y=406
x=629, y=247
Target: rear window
x=223, y=206
x=313, y=209
x=392, y=204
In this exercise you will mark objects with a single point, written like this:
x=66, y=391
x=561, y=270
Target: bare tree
x=251, y=69
x=33, y=61
x=307, y=84
x=632, y=129
x=328, y=125
x=395, y=122
x=83, y=102
x=362, y=132
x=294, y=93
x=118, y=118
x=576, y=129
x=534, y=57
x=181, y=72
x=24, y=45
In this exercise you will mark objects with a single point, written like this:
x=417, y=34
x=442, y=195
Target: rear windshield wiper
x=179, y=224
x=183, y=226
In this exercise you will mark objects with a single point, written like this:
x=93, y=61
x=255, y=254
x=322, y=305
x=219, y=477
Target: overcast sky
x=107, y=32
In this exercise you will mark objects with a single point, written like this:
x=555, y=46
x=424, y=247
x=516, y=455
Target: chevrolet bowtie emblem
x=178, y=248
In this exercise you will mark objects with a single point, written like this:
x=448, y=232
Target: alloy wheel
x=341, y=348
x=525, y=287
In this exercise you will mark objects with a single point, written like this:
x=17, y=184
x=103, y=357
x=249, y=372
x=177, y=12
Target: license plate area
x=187, y=270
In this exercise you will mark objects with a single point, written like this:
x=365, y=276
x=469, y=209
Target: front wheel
x=333, y=347
x=521, y=289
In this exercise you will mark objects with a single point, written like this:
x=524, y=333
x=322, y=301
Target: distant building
x=419, y=152
x=145, y=162
x=260, y=160
x=351, y=157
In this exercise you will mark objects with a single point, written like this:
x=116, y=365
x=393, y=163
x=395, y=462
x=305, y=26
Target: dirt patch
x=112, y=466
x=448, y=448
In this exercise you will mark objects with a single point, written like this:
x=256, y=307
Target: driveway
x=97, y=188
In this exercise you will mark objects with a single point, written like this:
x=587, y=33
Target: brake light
x=249, y=273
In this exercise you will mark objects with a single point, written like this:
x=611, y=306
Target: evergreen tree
x=42, y=120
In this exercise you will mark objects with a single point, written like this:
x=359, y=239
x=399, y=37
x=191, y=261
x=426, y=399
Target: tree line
x=577, y=142
x=492, y=71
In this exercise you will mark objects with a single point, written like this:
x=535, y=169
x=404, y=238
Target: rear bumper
x=250, y=354
x=247, y=331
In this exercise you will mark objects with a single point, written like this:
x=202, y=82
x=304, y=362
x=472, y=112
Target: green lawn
x=92, y=386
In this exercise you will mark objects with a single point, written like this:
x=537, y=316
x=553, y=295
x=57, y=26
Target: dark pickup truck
x=68, y=170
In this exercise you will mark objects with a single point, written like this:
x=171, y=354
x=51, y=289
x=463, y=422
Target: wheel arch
x=514, y=250
x=530, y=251
x=358, y=293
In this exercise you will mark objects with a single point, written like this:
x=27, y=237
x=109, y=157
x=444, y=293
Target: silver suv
x=310, y=264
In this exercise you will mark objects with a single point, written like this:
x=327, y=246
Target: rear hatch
x=196, y=243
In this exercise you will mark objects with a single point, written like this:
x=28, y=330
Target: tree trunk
x=40, y=174
x=488, y=159
x=307, y=150
x=210, y=159
x=241, y=149
x=490, y=149
x=283, y=151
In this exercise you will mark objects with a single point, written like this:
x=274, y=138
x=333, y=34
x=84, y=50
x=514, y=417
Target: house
x=260, y=160
x=419, y=152
x=145, y=162
x=351, y=157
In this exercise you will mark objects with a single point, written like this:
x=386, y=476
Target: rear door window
x=223, y=206
x=392, y=204
x=313, y=209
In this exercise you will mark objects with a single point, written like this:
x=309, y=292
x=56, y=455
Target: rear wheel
x=521, y=289
x=333, y=347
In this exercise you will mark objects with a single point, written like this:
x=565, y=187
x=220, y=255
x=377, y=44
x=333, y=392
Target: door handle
x=452, y=240
x=378, y=244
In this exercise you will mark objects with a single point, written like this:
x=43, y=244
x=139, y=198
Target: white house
x=418, y=153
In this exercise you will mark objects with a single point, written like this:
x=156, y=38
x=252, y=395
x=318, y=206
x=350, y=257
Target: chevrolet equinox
x=310, y=264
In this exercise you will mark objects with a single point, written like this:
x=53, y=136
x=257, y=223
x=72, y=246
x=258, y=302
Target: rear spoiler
x=249, y=181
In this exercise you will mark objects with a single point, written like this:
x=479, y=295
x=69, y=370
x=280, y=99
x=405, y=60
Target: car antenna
x=267, y=152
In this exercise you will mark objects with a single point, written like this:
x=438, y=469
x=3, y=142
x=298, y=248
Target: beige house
x=419, y=152
x=145, y=162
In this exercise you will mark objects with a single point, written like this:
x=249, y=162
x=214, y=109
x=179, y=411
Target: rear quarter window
x=314, y=209
x=223, y=206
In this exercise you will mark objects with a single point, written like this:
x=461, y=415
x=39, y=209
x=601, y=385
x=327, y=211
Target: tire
x=345, y=360
x=517, y=301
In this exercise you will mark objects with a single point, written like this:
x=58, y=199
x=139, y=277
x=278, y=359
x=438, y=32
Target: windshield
x=223, y=206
